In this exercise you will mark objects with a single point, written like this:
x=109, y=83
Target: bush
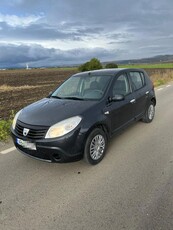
x=93, y=64
x=111, y=65
x=84, y=67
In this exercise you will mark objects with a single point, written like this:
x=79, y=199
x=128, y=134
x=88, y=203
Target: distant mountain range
x=156, y=59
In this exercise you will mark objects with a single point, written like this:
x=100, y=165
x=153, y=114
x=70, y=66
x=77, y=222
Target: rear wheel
x=149, y=113
x=95, y=146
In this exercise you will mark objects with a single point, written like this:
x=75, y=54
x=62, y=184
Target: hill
x=150, y=60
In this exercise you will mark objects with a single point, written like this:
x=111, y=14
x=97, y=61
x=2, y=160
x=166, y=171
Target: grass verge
x=161, y=78
x=5, y=127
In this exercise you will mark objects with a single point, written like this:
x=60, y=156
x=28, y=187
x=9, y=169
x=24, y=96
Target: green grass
x=5, y=127
x=149, y=66
x=160, y=82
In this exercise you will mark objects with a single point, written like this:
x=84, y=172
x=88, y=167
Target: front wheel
x=95, y=147
x=149, y=113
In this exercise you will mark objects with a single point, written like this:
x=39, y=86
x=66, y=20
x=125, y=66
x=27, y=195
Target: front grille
x=35, y=132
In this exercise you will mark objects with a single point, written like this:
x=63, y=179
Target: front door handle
x=133, y=101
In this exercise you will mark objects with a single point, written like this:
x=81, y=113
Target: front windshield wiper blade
x=74, y=98
x=55, y=97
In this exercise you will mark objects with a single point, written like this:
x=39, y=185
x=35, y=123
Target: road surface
x=132, y=188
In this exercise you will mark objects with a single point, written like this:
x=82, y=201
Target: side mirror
x=118, y=97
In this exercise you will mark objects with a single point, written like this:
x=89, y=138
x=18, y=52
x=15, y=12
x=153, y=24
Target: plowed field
x=19, y=88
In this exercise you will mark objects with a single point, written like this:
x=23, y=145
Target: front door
x=121, y=112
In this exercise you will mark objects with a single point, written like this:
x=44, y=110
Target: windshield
x=82, y=87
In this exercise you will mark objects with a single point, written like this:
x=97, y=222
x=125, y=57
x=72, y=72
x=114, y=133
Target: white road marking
x=163, y=87
x=8, y=150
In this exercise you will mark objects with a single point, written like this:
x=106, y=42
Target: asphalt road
x=132, y=188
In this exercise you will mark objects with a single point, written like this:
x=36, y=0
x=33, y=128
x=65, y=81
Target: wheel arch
x=101, y=126
x=153, y=99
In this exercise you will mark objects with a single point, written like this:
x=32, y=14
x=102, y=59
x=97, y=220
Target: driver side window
x=121, y=85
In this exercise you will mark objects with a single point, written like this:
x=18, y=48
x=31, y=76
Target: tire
x=149, y=113
x=95, y=146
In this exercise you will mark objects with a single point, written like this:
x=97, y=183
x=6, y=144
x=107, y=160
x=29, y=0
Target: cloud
x=32, y=32
x=21, y=54
x=14, y=20
x=36, y=55
x=66, y=31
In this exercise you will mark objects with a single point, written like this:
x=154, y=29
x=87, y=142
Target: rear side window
x=137, y=79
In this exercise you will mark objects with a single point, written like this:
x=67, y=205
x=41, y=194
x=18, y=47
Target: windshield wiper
x=74, y=98
x=56, y=97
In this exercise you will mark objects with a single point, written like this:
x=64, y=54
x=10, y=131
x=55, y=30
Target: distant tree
x=111, y=65
x=84, y=67
x=93, y=64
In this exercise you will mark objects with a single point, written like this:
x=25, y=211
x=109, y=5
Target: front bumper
x=64, y=149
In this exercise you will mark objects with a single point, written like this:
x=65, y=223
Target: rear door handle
x=147, y=93
x=133, y=101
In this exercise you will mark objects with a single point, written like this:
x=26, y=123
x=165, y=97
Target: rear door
x=139, y=87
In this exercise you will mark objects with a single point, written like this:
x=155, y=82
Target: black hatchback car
x=80, y=116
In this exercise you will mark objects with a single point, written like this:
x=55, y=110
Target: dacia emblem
x=25, y=132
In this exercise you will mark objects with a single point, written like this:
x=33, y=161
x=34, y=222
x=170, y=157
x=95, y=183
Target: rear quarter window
x=143, y=78
x=137, y=79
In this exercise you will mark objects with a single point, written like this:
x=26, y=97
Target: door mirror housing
x=118, y=97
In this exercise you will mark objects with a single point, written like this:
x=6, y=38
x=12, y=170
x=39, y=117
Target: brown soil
x=19, y=88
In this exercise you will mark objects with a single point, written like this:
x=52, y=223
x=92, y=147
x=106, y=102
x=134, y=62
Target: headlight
x=15, y=119
x=63, y=127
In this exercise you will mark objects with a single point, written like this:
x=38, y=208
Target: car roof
x=108, y=72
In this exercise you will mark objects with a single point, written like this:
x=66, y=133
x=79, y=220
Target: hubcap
x=97, y=147
x=151, y=112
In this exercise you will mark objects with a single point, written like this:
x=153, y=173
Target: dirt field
x=19, y=88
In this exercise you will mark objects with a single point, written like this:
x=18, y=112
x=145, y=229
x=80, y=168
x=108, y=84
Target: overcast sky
x=57, y=32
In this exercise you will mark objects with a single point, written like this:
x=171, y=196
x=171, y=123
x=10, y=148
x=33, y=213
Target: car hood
x=49, y=111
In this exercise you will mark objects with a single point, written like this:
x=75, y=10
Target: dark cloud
x=36, y=55
x=42, y=31
x=21, y=54
x=111, y=12
x=33, y=32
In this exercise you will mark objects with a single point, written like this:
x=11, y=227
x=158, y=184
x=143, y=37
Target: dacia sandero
x=77, y=119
